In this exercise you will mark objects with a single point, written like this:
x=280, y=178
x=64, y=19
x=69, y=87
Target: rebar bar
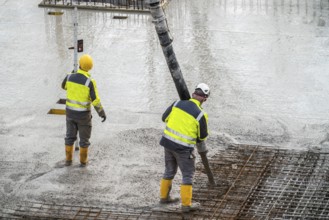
x=254, y=182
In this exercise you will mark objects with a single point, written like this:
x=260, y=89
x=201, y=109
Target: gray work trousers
x=73, y=126
x=184, y=160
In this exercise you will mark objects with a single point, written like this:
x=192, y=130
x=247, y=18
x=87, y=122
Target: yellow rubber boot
x=69, y=155
x=83, y=156
x=186, y=196
x=165, y=188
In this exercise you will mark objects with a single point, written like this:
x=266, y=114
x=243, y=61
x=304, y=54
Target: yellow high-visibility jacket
x=81, y=92
x=187, y=124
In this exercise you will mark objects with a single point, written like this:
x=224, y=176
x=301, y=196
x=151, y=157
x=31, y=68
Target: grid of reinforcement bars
x=253, y=182
x=293, y=186
x=135, y=5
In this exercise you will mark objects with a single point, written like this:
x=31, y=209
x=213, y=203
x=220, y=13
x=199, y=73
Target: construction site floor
x=252, y=182
x=265, y=61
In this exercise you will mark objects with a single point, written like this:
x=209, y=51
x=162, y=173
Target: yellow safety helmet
x=86, y=62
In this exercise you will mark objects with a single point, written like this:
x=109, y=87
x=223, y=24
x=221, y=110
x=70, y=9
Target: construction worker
x=186, y=126
x=81, y=94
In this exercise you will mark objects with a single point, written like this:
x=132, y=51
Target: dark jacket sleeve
x=167, y=112
x=64, y=82
x=92, y=91
x=203, y=129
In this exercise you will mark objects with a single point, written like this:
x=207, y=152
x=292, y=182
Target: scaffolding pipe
x=165, y=38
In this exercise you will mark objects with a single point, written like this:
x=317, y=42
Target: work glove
x=201, y=147
x=102, y=115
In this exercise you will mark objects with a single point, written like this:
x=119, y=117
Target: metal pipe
x=75, y=56
x=75, y=39
x=165, y=38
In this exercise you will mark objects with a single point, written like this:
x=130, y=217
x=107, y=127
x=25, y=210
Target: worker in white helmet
x=186, y=126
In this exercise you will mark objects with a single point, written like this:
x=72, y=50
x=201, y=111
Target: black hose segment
x=166, y=40
x=205, y=162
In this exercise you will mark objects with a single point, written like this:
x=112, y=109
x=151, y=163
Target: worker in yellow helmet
x=81, y=94
x=186, y=127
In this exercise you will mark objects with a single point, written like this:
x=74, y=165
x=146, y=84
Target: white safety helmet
x=204, y=88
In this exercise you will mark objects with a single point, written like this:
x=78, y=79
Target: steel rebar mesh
x=294, y=186
x=253, y=182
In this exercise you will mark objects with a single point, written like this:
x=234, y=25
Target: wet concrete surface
x=265, y=61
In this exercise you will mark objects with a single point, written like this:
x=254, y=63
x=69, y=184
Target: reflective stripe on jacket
x=186, y=123
x=81, y=92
